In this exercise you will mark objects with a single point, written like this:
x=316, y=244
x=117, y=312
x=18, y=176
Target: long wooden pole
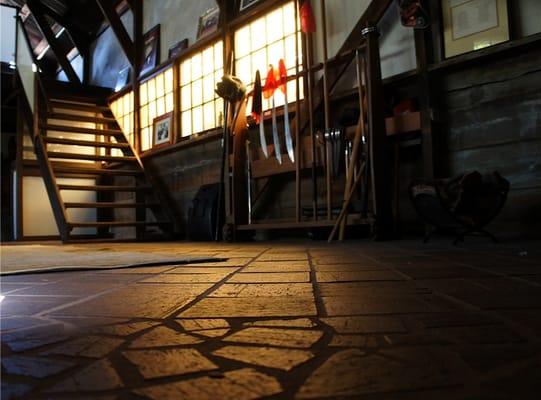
x=327, y=111
x=298, y=151
x=343, y=212
x=309, y=84
x=357, y=141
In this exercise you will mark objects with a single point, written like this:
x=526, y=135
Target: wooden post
x=327, y=112
x=309, y=91
x=298, y=141
x=137, y=47
x=379, y=153
x=424, y=102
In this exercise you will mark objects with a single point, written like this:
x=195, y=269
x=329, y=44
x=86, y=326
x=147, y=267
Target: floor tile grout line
x=213, y=288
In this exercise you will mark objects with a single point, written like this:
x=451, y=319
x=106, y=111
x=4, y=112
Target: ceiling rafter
x=112, y=17
x=80, y=37
x=61, y=56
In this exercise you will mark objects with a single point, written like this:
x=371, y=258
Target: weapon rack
x=237, y=218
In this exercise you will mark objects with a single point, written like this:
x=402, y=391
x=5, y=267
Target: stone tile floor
x=304, y=320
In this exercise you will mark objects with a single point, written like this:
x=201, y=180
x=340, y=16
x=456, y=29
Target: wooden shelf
x=265, y=167
x=404, y=123
x=353, y=220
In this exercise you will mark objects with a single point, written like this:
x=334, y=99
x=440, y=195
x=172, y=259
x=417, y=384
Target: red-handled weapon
x=268, y=92
x=257, y=112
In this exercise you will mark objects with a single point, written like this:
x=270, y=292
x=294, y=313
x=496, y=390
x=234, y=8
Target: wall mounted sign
x=163, y=130
x=474, y=24
x=177, y=49
x=208, y=23
x=151, y=49
x=244, y=4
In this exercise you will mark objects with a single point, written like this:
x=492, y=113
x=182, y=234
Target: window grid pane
x=201, y=109
x=156, y=96
x=122, y=109
x=271, y=37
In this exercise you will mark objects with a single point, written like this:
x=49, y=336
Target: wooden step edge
x=82, y=118
x=98, y=188
x=85, y=143
x=66, y=170
x=111, y=205
x=89, y=131
x=91, y=157
x=79, y=106
x=116, y=224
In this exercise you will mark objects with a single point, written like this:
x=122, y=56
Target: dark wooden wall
x=183, y=170
x=488, y=118
x=492, y=122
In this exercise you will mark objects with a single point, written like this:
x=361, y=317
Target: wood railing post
x=378, y=144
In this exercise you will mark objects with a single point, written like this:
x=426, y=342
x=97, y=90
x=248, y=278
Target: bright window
x=156, y=98
x=265, y=41
x=201, y=109
x=122, y=109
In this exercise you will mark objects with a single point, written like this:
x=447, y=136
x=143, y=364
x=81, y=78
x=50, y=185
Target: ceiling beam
x=112, y=17
x=80, y=37
x=60, y=54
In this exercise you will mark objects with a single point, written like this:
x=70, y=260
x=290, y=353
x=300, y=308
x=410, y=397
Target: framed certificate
x=473, y=24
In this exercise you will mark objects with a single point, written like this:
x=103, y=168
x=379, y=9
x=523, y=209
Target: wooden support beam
x=425, y=103
x=120, y=32
x=37, y=11
x=379, y=153
x=80, y=38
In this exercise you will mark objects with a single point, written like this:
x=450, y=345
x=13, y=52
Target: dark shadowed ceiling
x=82, y=20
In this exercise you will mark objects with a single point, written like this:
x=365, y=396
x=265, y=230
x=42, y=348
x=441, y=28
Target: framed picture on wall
x=208, y=22
x=162, y=130
x=150, y=56
x=244, y=4
x=474, y=24
x=177, y=49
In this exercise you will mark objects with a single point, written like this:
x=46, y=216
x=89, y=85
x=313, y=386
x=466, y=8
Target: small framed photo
x=208, y=22
x=474, y=24
x=163, y=130
x=178, y=49
x=151, y=49
x=244, y=4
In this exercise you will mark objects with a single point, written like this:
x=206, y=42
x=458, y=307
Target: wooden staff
x=297, y=125
x=309, y=84
x=357, y=141
x=326, y=103
x=343, y=212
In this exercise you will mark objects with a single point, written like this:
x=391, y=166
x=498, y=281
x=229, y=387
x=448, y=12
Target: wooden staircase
x=96, y=183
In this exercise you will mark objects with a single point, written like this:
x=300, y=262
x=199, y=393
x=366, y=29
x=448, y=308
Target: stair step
x=78, y=170
x=80, y=118
x=89, y=131
x=110, y=205
x=102, y=224
x=86, y=107
x=98, y=188
x=91, y=157
x=49, y=139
